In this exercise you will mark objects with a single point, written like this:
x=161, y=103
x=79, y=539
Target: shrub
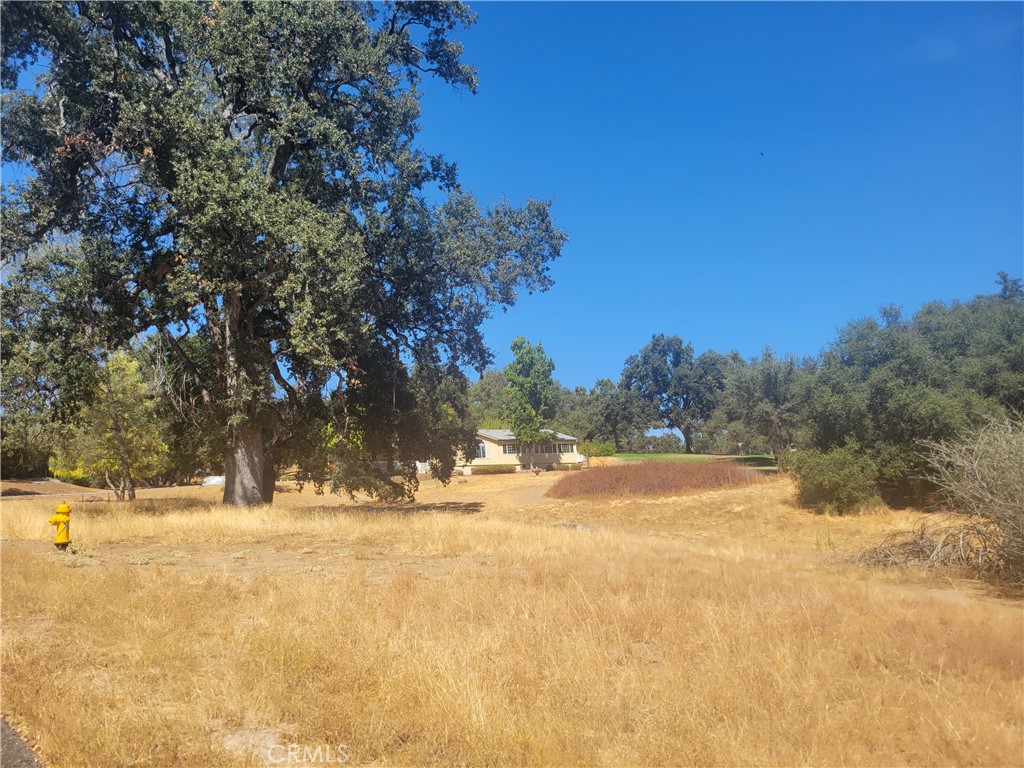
x=497, y=469
x=653, y=478
x=564, y=467
x=593, y=448
x=841, y=480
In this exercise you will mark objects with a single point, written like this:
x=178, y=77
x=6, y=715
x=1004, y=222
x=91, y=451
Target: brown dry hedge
x=653, y=478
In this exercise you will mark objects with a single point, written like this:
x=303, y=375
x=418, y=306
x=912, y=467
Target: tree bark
x=688, y=438
x=243, y=467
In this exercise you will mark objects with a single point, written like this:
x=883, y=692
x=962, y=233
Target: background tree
x=764, y=397
x=887, y=385
x=48, y=356
x=195, y=442
x=246, y=174
x=487, y=399
x=529, y=399
x=118, y=435
x=618, y=414
x=684, y=389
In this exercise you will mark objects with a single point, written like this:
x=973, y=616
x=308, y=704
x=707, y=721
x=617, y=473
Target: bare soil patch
x=43, y=486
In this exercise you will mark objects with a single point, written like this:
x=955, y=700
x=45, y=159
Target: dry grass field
x=488, y=624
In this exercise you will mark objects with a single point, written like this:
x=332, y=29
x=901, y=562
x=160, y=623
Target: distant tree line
x=850, y=421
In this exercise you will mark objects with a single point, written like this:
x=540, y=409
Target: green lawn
x=667, y=456
x=756, y=461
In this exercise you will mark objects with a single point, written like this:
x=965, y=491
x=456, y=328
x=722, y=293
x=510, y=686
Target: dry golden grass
x=706, y=629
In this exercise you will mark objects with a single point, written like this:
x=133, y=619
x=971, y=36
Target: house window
x=547, y=448
x=481, y=449
x=510, y=448
x=565, y=447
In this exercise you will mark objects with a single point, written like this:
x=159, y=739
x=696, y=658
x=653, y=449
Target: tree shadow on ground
x=406, y=509
x=158, y=507
x=758, y=462
x=17, y=492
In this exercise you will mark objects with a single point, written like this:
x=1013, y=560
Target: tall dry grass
x=493, y=639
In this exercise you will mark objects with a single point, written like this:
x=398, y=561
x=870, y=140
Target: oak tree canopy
x=241, y=181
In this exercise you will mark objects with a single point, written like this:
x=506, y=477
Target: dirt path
x=14, y=751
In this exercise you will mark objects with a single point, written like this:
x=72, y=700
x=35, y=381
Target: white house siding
x=500, y=448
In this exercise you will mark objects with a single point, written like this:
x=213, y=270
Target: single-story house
x=499, y=447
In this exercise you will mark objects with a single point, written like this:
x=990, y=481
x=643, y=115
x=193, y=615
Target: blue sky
x=892, y=167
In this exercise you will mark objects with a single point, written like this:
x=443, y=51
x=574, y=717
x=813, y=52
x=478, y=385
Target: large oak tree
x=241, y=179
x=684, y=389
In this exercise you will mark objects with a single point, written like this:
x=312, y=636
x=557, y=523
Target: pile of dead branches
x=981, y=475
x=946, y=541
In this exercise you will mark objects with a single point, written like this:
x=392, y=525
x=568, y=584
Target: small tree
x=118, y=438
x=530, y=393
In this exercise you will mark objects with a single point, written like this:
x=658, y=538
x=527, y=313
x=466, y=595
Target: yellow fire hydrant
x=62, y=519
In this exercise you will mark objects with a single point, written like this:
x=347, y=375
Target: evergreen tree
x=245, y=174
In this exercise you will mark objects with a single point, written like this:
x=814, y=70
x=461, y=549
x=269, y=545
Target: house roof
x=506, y=435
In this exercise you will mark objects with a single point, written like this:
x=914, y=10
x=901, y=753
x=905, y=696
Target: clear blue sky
x=892, y=167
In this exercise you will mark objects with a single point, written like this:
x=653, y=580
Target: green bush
x=841, y=480
x=498, y=469
x=593, y=448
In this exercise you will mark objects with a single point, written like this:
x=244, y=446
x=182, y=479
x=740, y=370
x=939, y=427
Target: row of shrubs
x=654, y=478
x=508, y=469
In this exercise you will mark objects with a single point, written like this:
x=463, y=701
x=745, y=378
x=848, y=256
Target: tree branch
x=189, y=366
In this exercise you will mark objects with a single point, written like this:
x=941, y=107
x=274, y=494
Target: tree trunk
x=688, y=438
x=127, y=486
x=243, y=467
x=118, y=490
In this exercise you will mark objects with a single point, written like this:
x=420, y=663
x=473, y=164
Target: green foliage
x=66, y=465
x=763, y=397
x=840, y=480
x=47, y=361
x=195, y=441
x=889, y=385
x=26, y=440
x=724, y=435
x=665, y=443
x=529, y=398
x=117, y=439
x=487, y=400
x=496, y=469
x=594, y=448
x=261, y=193
x=610, y=412
x=684, y=390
